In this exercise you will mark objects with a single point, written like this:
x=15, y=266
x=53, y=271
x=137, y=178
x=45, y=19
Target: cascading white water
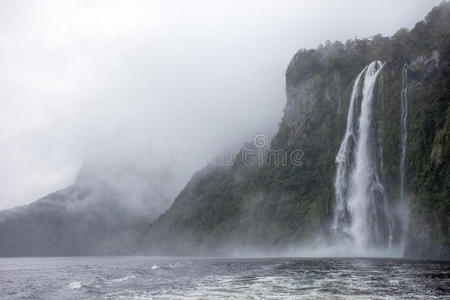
x=361, y=210
x=364, y=180
x=403, y=137
x=342, y=160
x=403, y=132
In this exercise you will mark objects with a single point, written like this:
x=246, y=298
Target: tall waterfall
x=403, y=136
x=403, y=132
x=361, y=213
x=342, y=159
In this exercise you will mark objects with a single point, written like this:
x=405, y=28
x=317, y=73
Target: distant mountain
x=105, y=212
x=272, y=206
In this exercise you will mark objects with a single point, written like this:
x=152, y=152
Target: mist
x=99, y=82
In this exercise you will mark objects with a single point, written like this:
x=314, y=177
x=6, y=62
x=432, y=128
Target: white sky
x=104, y=79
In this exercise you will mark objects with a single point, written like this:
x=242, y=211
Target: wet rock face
x=428, y=225
x=424, y=64
x=302, y=100
x=420, y=71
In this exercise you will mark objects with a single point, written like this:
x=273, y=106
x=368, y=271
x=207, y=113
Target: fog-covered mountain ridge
x=105, y=212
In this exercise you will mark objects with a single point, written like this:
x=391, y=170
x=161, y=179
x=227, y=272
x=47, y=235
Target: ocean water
x=140, y=277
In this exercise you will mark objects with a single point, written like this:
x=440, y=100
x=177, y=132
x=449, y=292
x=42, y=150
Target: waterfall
x=361, y=211
x=342, y=160
x=403, y=132
x=403, y=136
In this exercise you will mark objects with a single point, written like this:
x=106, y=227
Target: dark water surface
x=206, y=278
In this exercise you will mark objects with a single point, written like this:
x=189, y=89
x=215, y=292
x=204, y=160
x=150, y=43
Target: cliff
x=270, y=206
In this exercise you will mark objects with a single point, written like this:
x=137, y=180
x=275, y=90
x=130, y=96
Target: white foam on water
x=75, y=285
x=123, y=278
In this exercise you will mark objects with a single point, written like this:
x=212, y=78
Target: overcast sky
x=105, y=79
